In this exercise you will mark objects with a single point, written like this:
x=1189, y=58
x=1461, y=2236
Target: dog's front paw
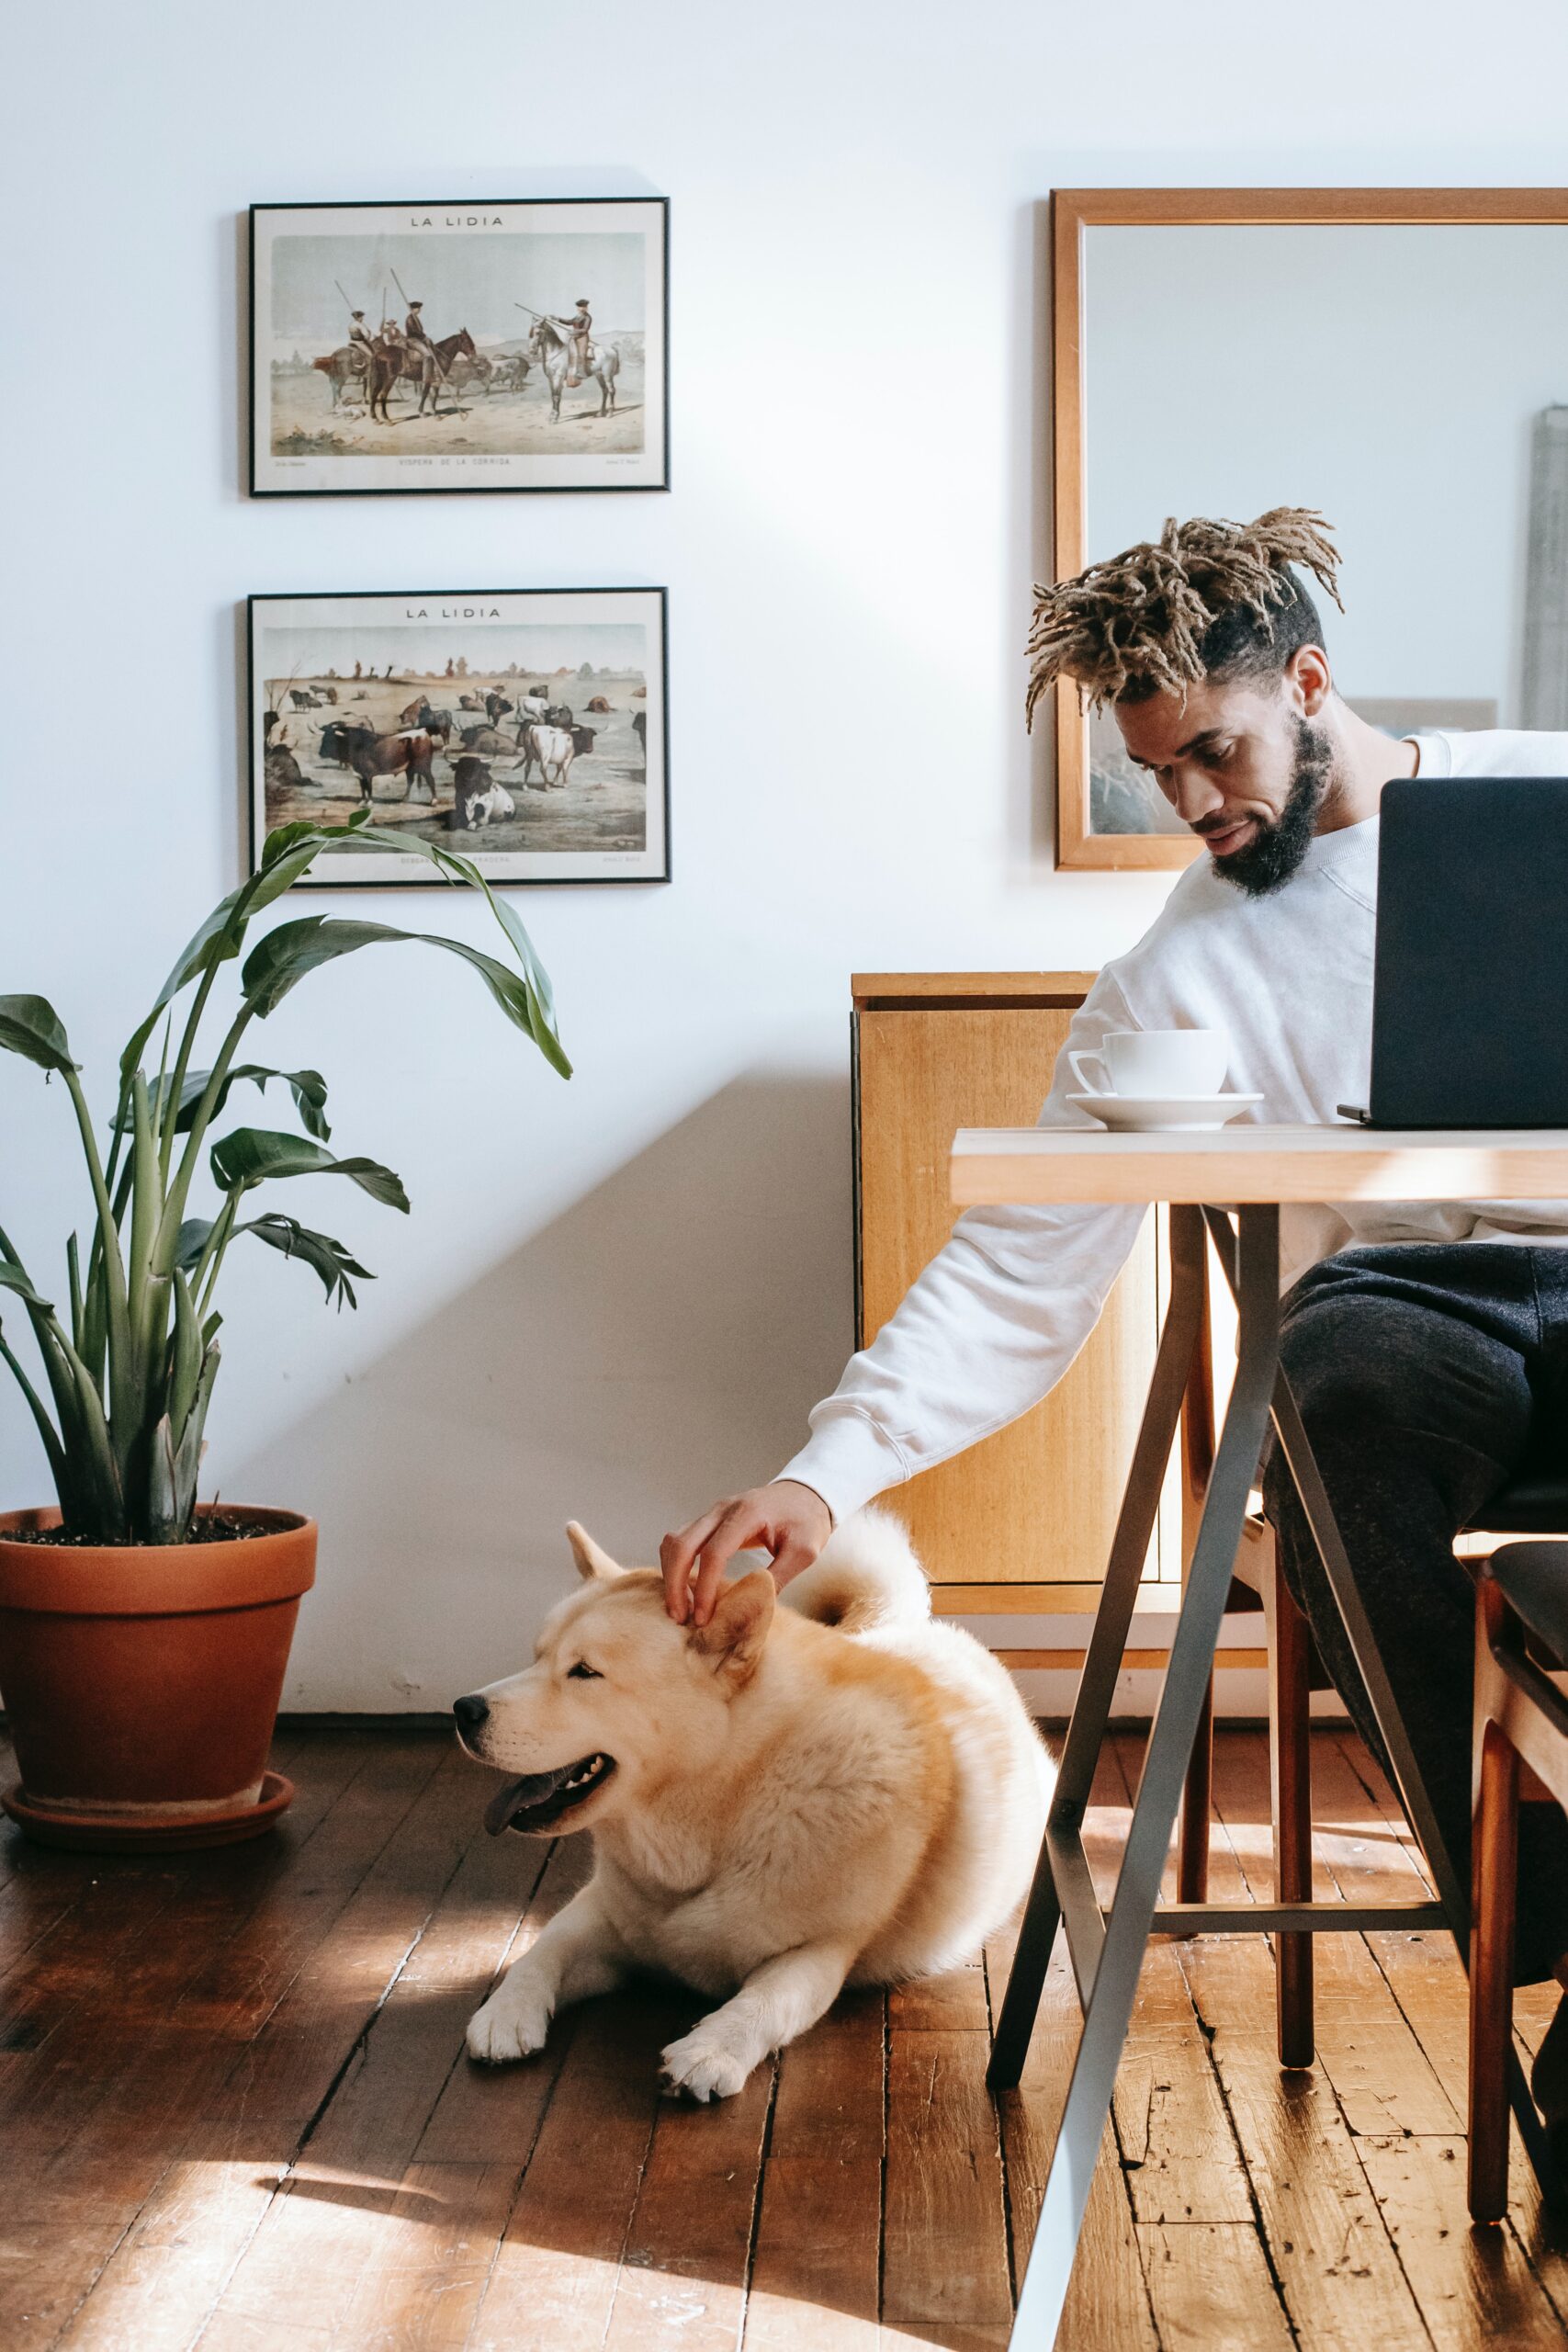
x=504, y=2029
x=702, y=2066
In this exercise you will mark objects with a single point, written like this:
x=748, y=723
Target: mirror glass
x=1411, y=382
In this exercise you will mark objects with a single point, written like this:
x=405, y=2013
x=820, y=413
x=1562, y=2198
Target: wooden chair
x=1522, y=1719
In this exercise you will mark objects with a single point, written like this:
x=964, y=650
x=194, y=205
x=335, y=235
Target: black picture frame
x=357, y=871
x=466, y=473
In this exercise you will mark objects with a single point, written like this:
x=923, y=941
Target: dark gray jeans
x=1426, y=1375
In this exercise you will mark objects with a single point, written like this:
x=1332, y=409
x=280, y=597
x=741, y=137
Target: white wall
x=614, y=1297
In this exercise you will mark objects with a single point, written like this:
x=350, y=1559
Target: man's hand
x=789, y=1522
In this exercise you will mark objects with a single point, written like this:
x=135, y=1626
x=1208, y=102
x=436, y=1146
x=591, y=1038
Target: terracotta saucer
x=173, y=1833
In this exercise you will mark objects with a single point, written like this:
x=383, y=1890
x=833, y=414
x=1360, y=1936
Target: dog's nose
x=470, y=1711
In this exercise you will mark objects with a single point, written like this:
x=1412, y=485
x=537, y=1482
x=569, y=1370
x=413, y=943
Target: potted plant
x=144, y=1636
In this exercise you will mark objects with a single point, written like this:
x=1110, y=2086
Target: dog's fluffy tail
x=865, y=1575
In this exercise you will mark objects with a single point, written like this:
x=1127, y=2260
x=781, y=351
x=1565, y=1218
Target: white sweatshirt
x=999, y=1314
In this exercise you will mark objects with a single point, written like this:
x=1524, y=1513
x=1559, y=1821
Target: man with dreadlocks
x=1429, y=1359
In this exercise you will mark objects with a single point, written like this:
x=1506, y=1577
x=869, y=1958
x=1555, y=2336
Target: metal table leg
x=1106, y=1949
x=1111, y=1984
x=1108, y=1641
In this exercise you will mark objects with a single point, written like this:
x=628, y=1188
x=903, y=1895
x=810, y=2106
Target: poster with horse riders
x=525, y=727
x=448, y=347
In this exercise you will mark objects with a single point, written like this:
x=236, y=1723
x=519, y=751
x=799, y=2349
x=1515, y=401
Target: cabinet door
x=1036, y=1504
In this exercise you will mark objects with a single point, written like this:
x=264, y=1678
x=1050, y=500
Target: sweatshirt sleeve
x=985, y=1331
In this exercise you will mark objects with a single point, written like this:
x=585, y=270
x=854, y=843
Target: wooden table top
x=1035, y=1166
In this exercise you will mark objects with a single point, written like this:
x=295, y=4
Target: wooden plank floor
x=235, y=2114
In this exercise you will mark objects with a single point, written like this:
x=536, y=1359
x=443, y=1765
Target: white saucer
x=1162, y=1113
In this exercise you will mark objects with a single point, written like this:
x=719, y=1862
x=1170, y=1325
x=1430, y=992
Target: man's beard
x=1275, y=852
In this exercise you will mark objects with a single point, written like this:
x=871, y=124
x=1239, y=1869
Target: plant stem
x=146, y=1214
x=73, y=1275
x=92, y=1436
x=114, y=1264
x=95, y=1319
x=178, y=1191
x=58, y=1467
x=171, y=1101
x=89, y=1456
x=62, y=1378
x=211, y=1258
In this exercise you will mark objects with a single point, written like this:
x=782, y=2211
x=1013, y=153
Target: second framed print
x=523, y=727
x=459, y=346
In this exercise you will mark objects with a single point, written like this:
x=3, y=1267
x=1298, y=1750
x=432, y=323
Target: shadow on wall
x=660, y=1343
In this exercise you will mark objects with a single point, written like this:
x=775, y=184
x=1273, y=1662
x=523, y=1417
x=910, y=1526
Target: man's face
x=1245, y=764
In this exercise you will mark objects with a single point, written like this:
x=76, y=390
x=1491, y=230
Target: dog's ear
x=734, y=1635
x=592, y=1562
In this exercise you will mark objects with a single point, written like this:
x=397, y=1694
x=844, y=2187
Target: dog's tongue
x=532, y=1789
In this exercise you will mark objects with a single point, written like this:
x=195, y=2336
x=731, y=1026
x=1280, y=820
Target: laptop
x=1470, y=990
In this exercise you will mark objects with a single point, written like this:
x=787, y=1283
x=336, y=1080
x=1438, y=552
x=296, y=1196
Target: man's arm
x=982, y=1335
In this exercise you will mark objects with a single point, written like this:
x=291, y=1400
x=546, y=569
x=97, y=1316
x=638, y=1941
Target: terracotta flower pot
x=143, y=1682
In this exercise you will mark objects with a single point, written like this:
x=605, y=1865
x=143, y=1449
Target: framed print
x=459, y=346
x=524, y=726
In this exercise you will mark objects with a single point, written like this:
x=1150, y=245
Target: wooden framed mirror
x=1396, y=357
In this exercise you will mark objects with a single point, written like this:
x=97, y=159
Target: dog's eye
x=583, y=1672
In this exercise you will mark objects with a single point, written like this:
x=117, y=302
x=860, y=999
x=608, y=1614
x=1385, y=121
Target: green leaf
x=329, y=1257
x=30, y=1026
x=12, y=1278
x=287, y=855
x=255, y=1155
x=538, y=978
x=218, y=939
x=463, y=870
x=190, y=1241
x=286, y=956
x=281, y=960
x=307, y=1087
x=284, y=840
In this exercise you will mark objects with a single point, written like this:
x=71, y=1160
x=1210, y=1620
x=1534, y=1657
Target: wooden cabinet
x=1023, y=1521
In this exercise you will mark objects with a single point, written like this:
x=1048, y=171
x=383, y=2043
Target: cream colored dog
x=785, y=1800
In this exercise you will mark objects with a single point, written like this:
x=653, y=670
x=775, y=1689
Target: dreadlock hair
x=1212, y=599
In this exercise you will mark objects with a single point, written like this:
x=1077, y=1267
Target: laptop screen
x=1469, y=1008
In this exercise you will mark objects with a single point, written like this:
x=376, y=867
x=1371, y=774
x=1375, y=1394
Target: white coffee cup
x=1157, y=1064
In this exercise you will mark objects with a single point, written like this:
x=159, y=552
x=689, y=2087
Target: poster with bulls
x=459, y=346
x=523, y=728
